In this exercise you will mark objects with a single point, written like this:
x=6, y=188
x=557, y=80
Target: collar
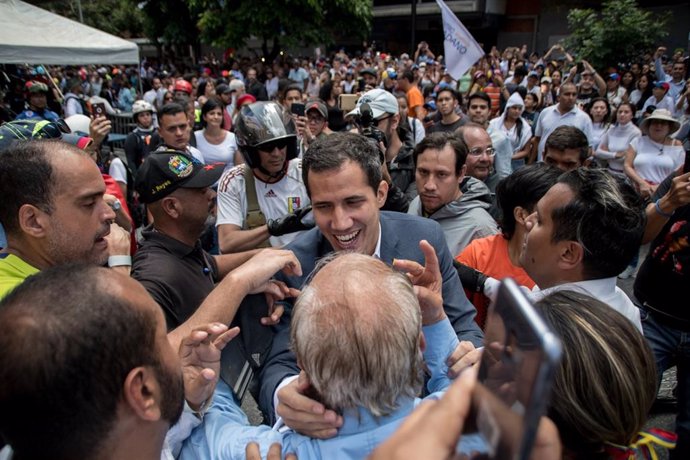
x=377, y=251
x=176, y=247
x=597, y=288
x=358, y=419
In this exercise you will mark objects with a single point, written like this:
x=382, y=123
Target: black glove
x=289, y=223
x=471, y=279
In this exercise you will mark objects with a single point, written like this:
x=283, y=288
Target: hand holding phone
x=297, y=108
x=515, y=375
x=99, y=109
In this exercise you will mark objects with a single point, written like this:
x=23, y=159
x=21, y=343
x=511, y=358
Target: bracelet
x=119, y=261
x=660, y=211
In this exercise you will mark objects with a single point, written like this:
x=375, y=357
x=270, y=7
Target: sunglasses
x=274, y=144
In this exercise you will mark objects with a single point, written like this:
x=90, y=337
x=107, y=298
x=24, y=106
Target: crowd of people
x=328, y=235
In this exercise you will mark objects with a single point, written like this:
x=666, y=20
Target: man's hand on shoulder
x=305, y=415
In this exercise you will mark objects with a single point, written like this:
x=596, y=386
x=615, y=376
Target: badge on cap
x=180, y=165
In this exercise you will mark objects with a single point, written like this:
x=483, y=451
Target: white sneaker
x=627, y=273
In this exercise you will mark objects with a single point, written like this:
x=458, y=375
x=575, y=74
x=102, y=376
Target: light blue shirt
x=225, y=431
x=550, y=119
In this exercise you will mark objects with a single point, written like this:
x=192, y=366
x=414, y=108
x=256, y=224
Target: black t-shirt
x=440, y=127
x=663, y=279
x=177, y=276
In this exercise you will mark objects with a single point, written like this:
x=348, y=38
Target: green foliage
x=620, y=33
x=230, y=23
x=117, y=17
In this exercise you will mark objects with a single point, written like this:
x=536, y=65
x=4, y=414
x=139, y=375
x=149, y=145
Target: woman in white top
x=599, y=110
x=616, y=140
x=216, y=144
x=654, y=155
x=515, y=128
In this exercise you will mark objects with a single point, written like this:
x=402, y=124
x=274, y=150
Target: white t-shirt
x=654, y=161
x=275, y=200
x=550, y=119
x=117, y=170
x=217, y=153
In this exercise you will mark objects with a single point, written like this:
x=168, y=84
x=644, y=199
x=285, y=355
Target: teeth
x=347, y=238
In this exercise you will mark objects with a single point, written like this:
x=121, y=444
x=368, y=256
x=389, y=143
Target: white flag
x=461, y=49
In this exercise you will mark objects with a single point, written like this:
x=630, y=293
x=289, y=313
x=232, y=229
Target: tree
x=620, y=33
x=117, y=17
x=229, y=23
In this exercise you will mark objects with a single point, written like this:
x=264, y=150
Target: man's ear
x=171, y=206
x=33, y=221
x=142, y=393
x=382, y=193
x=570, y=255
x=520, y=215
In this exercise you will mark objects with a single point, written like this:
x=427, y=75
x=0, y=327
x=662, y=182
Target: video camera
x=367, y=129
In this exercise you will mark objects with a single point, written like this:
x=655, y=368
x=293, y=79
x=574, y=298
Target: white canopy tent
x=32, y=35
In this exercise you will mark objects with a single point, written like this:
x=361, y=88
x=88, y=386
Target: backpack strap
x=255, y=217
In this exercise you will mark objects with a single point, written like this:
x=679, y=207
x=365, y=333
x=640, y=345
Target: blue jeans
x=672, y=347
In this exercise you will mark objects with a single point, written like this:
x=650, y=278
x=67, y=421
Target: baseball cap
x=380, y=101
x=165, y=171
x=546, y=79
x=24, y=130
x=662, y=84
x=318, y=105
x=533, y=74
x=369, y=71
x=223, y=89
x=614, y=76
x=236, y=85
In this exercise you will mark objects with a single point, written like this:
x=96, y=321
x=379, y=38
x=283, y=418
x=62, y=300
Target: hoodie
x=464, y=219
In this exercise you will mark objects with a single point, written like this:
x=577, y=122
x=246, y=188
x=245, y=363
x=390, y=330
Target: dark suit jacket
x=400, y=236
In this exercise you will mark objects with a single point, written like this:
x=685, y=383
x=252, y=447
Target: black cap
x=223, y=89
x=165, y=171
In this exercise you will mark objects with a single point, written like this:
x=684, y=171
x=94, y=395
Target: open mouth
x=349, y=240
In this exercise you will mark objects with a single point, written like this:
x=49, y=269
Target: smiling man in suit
x=344, y=180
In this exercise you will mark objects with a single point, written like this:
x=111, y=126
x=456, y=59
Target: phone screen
x=297, y=108
x=515, y=375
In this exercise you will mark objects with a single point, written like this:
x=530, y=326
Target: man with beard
x=102, y=354
x=53, y=211
x=397, y=148
x=255, y=87
x=263, y=200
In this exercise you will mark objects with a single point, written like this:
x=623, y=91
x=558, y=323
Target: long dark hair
x=647, y=93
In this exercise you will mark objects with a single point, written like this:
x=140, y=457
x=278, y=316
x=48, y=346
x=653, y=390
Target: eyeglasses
x=478, y=151
x=316, y=119
x=274, y=144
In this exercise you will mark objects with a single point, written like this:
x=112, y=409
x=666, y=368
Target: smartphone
x=360, y=85
x=516, y=373
x=99, y=109
x=347, y=102
x=580, y=67
x=297, y=108
x=686, y=166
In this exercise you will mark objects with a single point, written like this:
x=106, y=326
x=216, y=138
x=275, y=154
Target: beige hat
x=663, y=115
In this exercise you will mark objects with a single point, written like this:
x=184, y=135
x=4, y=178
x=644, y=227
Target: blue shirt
x=32, y=114
x=225, y=431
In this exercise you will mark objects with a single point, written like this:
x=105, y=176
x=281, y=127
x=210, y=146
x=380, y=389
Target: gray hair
x=359, y=348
